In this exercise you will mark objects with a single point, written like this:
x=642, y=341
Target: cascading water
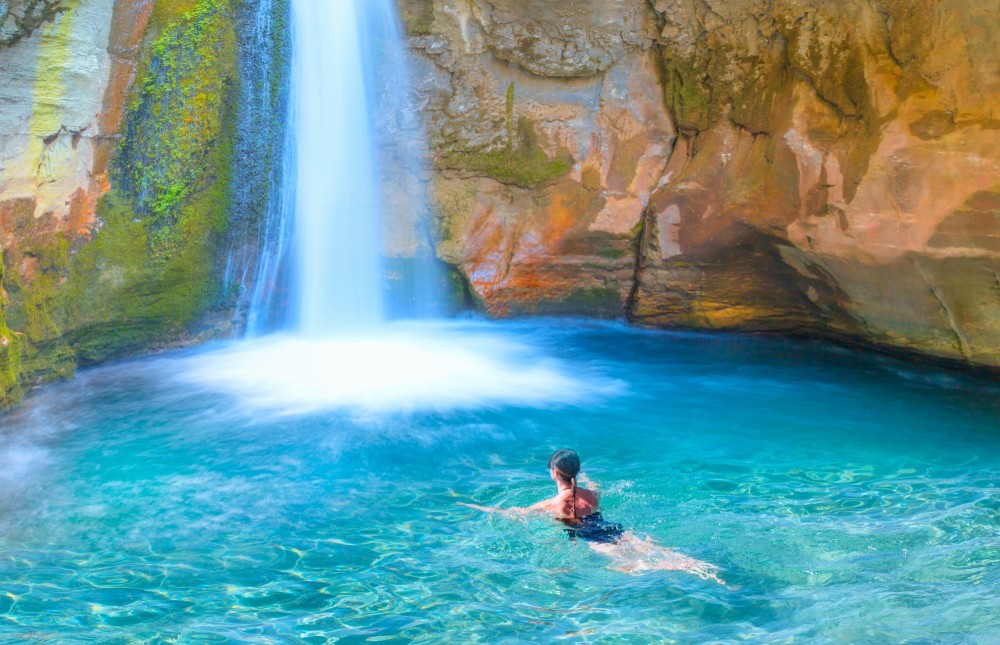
x=258, y=232
x=348, y=78
x=337, y=274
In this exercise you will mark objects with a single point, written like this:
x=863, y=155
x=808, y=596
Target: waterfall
x=349, y=88
x=328, y=291
x=258, y=231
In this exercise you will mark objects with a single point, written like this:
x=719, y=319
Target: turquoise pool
x=846, y=497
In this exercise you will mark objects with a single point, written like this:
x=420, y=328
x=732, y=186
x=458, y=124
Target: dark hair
x=566, y=462
x=567, y=465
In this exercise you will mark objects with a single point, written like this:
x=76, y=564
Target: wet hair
x=566, y=463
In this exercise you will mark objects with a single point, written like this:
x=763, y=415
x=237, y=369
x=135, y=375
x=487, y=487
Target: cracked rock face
x=789, y=165
x=577, y=38
x=20, y=18
x=54, y=109
x=549, y=135
x=860, y=139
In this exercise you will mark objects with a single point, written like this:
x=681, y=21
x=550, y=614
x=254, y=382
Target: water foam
x=404, y=367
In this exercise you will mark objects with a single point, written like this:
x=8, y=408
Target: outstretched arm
x=540, y=507
x=485, y=509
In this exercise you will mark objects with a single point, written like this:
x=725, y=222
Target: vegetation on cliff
x=148, y=268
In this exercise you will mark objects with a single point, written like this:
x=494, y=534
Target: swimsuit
x=593, y=528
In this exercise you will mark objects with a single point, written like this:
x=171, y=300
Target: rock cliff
x=789, y=165
x=798, y=166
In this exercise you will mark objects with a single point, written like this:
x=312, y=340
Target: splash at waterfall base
x=399, y=367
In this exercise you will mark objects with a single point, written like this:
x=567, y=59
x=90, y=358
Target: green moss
x=10, y=358
x=604, y=302
x=612, y=252
x=122, y=295
x=10, y=366
x=34, y=310
x=281, y=56
x=762, y=100
x=510, y=115
x=177, y=120
x=150, y=271
x=836, y=70
x=522, y=162
x=39, y=304
x=687, y=91
x=418, y=16
x=169, y=12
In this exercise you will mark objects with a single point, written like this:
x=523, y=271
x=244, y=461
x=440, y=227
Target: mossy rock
x=521, y=162
x=418, y=16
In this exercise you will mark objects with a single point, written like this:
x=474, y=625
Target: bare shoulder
x=587, y=500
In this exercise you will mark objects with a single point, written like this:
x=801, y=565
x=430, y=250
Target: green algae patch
x=417, y=16
x=150, y=270
x=10, y=359
x=687, y=92
x=603, y=302
x=10, y=366
x=422, y=286
x=518, y=160
x=521, y=162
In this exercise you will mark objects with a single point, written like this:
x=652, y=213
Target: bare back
x=562, y=504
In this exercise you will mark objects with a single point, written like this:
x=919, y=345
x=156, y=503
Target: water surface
x=847, y=497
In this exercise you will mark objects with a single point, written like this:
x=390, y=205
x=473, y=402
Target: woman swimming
x=577, y=508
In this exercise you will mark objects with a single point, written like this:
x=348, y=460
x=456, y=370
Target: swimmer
x=577, y=508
